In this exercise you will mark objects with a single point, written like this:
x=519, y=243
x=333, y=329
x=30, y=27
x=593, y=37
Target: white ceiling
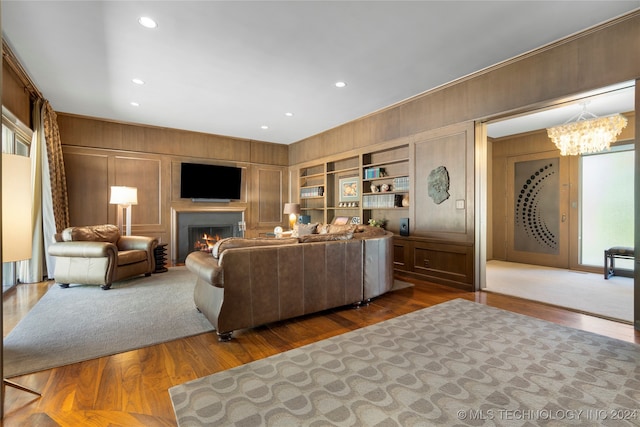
x=229, y=67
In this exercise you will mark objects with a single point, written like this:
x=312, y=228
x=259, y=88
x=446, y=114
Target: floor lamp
x=124, y=197
x=17, y=233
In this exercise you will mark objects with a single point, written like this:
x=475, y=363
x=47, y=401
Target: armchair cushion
x=94, y=233
x=131, y=257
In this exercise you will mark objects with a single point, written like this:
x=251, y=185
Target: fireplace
x=199, y=230
x=203, y=238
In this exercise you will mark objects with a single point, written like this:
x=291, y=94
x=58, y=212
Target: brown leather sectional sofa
x=253, y=282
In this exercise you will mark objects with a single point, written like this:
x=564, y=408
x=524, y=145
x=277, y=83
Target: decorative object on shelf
x=340, y=220
x=586, y=133
x=405, y=201
x=374, y=188
x=293, y=209
x=378, y=222
x=124, y=197
x=278, y=231
x=355, y=220
x=304, y=219
x=385, y=187
x=349, y=190
x=438, y=184
x=404, y=226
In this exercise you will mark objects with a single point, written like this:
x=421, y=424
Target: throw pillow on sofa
x=304, y=229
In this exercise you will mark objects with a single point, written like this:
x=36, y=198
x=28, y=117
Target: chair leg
x=20, y=387
x=224, y=336
x=106, y=287
x=64, y=285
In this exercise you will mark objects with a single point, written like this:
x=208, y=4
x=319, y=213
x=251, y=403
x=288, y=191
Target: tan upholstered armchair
x=99, y=255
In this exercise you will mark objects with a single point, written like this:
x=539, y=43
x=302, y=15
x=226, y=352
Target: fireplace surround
x=189, y=227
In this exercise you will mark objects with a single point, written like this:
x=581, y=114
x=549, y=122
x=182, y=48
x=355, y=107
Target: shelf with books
x=386, y=185
x=312, y=192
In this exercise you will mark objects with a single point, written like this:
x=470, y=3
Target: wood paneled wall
x=95, y=133
x=99, y=154
x=14, y=95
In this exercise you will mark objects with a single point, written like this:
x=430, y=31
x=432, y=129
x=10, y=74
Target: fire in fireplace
x=204, y=238
x=192, y=226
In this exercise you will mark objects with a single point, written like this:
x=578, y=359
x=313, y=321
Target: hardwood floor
x=130, y=389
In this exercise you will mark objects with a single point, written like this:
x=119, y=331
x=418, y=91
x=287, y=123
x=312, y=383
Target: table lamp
x=293, y=209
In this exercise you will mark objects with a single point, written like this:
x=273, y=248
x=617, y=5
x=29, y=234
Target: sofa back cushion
x=367, y=231
x=336, y=228
x=239, y=242
x=93, y=233
x=327, y=237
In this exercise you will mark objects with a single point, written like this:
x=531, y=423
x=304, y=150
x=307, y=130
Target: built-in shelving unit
x=312, y=185
x=385, y=185
x=371, y=185
x=343, y=174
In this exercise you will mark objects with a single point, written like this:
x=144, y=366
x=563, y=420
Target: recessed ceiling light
x=265, y=127
x=147, y=22
x=288, y=114
x=340, y=84
x=138, y=81
x=135, y=104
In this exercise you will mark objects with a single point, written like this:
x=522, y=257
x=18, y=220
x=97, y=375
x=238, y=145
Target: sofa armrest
x=131, y=243
x=206, y=267
x=83, y=249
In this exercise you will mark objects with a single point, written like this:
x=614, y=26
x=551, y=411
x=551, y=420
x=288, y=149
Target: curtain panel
x=58, y=179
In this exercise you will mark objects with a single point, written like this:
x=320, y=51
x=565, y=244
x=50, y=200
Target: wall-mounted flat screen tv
x=210, y=182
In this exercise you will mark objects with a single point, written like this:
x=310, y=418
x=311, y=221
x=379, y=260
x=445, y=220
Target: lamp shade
x=124, y=195
x=17, y=234
x=292, y=208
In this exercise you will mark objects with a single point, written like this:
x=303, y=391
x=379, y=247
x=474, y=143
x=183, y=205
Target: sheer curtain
x=49, y=185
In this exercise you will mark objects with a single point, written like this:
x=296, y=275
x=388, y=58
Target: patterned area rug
x=457, y=363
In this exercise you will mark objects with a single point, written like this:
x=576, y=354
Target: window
x=606, y=197
x=16, y=139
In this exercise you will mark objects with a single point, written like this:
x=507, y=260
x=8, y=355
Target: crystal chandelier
x=586, y=133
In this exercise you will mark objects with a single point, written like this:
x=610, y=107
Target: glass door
x=606, y=204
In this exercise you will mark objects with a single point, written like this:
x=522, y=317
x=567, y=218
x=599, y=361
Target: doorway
x=502, y=240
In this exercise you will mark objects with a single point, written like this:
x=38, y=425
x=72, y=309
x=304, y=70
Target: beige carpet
x=85, y=322
x=587, y=292
x=454, y=364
